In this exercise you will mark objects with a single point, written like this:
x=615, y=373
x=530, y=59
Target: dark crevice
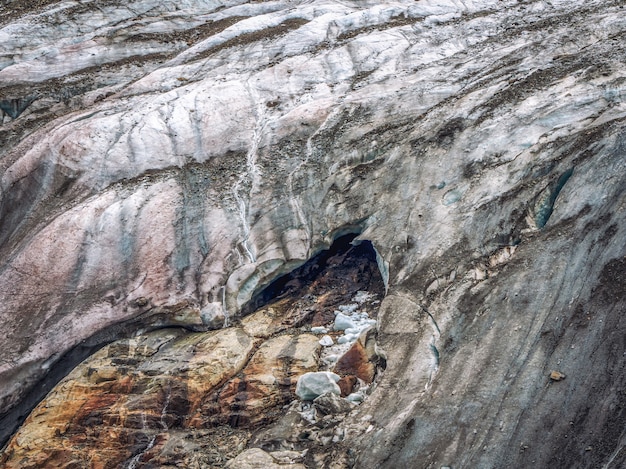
x=393, y=22
x=14, y=107
x=254, y=36
x=545, y=204
x=190, y=36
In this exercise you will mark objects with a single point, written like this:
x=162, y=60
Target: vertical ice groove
x=252, y=174
x=226, y=315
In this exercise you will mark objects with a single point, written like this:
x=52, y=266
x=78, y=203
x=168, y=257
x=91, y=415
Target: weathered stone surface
x=131, y=398
x=269, y=380
x=256, y=458
x=123, y=401
x=268, y=321
x=331, y=403
x=189, y=153
x=177, y=398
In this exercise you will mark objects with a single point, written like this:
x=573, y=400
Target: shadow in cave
x=331, y=278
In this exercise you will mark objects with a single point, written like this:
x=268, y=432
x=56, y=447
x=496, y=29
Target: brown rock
x=141, y=301
x=346, y=384
x=556, y=376
x=355, y=362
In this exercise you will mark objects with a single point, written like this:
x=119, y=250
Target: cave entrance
x=330, y=279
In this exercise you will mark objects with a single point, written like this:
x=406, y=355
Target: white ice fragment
x=326, y=341
x=330, y=359
x=319, y=330
x=451, y=197
x=309, y=414
x=352, y=330
x=343, y=322
x=344, y=339
x=355, y=397
x=313, y=384
x=361, y=296
x=351, y=308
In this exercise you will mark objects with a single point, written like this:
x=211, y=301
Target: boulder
x=256, y=458
x=314, y=384
x=343, y=322
x=331, y=403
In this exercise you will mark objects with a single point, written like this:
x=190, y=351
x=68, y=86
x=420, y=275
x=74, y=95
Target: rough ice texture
x=158, y=157
x=343, y=322
x=326, y=341
x=313, y=384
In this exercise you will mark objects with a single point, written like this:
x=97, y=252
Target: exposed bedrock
x=174, y=398
x=163, y=162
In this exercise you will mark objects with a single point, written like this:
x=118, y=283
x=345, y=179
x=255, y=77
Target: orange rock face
x=360, y=360
x=120, y=405
x=267, y=382
x=177, y=398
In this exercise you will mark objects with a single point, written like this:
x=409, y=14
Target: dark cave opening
x=337, y=272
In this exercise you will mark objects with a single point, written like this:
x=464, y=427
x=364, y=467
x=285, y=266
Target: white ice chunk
x=314, y=384
x=343, y=322
x=330, y=359
x=355, y=397
x=319, y=330
x=309, y=414
x=362, y=296
x=351, y=308
x=326, y=341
